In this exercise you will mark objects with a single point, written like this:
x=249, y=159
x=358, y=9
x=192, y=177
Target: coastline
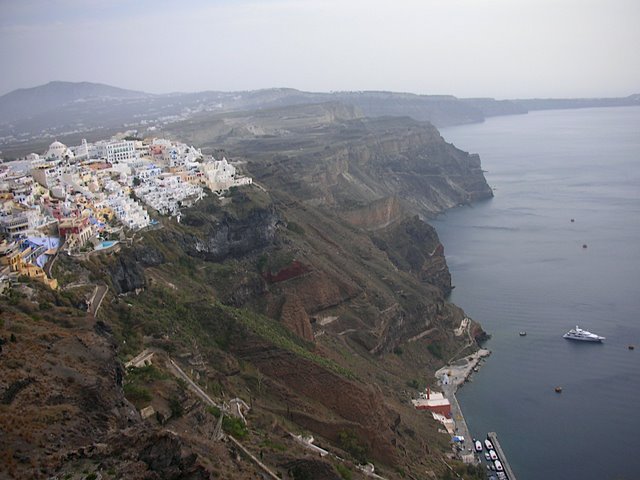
x=460, y=370
x=451, y=377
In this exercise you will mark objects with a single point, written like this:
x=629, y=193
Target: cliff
x=69, y=111
x=339, y=160
x=318, y=296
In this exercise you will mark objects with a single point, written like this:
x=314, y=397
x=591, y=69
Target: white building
x=58, y=151
x=33, y=158
x=47, y=174
x=122, y=151
x=17, y=219
x=166, y=193
x=130, y=213
x=221, y=175
x=81, y=152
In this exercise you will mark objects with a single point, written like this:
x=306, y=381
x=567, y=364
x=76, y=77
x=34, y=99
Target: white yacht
x=582, y=335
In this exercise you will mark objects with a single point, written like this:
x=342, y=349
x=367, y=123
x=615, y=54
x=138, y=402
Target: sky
x=466, y=48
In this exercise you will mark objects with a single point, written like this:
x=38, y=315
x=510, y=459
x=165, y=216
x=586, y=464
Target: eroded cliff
x=317, y=295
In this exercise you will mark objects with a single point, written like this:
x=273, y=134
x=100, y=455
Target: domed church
x=58, y=151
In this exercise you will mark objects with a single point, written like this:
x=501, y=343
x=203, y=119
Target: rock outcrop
x=126, y=270
x=362, y=167
x=413, y=245
x=217, y=238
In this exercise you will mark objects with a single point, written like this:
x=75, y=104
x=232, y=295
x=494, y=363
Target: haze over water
x=518, y=265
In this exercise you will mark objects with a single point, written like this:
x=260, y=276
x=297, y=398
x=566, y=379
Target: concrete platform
x=493, y=437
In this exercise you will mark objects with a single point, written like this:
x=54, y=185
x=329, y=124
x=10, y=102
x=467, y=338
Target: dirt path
x=96, y=299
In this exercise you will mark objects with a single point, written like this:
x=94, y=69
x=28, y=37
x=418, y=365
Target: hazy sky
x=497, y=48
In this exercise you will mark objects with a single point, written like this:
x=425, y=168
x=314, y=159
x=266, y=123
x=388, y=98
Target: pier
x=493, y=437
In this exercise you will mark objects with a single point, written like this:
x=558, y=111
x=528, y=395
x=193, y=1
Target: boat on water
x=498, y=465
x=478, y=445
x=488, y=444
x=493, y=455
x=582, y=335
x=487, y=457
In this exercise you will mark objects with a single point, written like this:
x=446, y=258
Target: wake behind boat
x=582, y=335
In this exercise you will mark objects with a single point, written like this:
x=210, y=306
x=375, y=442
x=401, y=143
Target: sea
x=558, y=246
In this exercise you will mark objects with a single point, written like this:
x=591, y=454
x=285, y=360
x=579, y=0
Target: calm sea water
x=518, y=264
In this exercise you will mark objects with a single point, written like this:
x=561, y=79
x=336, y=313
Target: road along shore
x=450, y=378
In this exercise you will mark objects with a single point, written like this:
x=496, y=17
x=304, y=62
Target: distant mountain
x=29, y=102
x=562, y=103
x=490, y=107
x=30, y=118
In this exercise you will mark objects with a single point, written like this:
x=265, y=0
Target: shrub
x=147, y=374
x=299, y=472
x=45, y=306
x=350, y=443
x=295, y=228
x=262, y=263
x=344, y=471
x=436, y=350
x=182, y=384
x=176, y=407
x=413, y=384
x=234, y=427
x=279, y=447
x=213, y=410
x=137, y=393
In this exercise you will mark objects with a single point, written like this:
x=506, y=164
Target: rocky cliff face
x=329, y=170
x=126, y=270
x=217, y=238
x=413, y=245
x=320, y=296
x=376, y=215
x=357, y=163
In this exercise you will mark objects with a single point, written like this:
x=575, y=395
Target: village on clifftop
x=86, y=197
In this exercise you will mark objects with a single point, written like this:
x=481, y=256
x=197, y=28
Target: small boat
x=478, y=445
x=582, y=335
x=558, y=389
x=523, y=333
x=487, y=457
x=631, y=347
x=488, y=444
x=499, y=467
x=493, y=455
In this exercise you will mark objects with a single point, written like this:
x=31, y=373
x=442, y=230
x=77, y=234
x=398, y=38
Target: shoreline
x=459, y=371
x=451, y=377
